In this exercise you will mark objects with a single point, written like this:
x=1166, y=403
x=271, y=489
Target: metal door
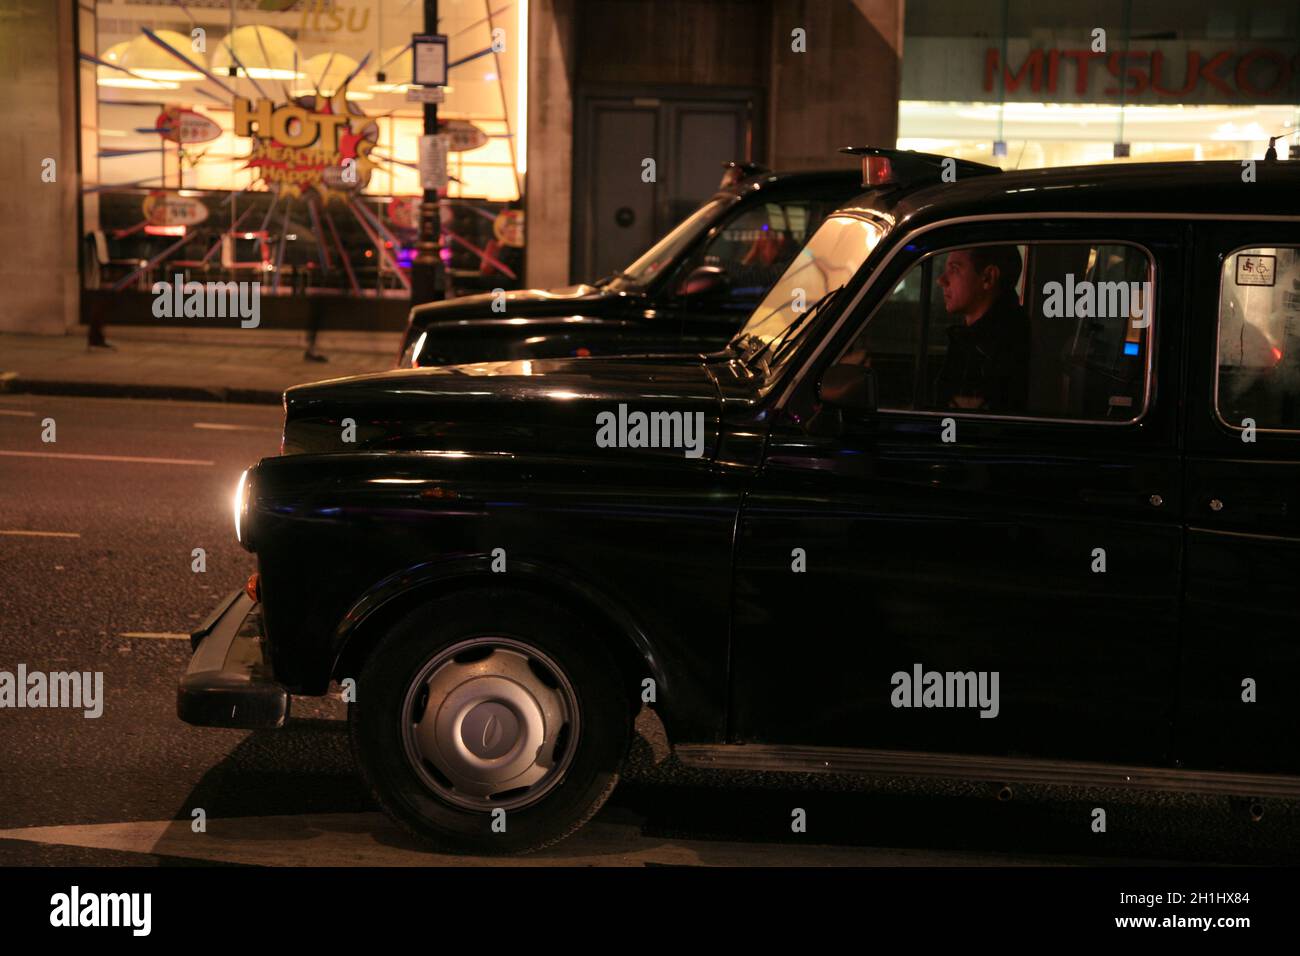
x=618, y=214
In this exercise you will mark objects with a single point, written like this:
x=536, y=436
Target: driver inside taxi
x=986, y=364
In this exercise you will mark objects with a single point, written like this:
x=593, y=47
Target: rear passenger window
x=1043, y=330
x=1259, y=338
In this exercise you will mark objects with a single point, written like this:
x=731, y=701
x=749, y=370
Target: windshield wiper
x=606, y=280
x=773, y=343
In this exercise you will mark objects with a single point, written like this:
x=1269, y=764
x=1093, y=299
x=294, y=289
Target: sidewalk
x=191, y=371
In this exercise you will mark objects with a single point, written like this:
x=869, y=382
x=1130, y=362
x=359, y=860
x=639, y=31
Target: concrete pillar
x=548, y=190
x=39, y=281
x=844, y=90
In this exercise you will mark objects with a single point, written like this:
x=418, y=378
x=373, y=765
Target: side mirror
x=704, y=283
x=849, y=386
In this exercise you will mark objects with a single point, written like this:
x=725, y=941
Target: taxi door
x=1239, y=708
x=1041, y=549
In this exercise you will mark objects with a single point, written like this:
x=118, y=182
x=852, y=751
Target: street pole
x=426, y=266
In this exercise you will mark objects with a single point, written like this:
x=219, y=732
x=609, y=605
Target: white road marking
x=156, y=635
x=134, y=402
x=123, y=458
x=16, y=414
x=227, y=427
x=43, y=534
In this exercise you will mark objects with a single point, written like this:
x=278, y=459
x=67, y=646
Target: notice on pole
x=426, y=94
x=429, y=60
x=433, y=161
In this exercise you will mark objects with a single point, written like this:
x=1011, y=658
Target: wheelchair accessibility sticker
x=1256, y=270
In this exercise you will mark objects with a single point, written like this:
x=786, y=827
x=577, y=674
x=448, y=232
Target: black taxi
x=689, y=292
x=1001, y=480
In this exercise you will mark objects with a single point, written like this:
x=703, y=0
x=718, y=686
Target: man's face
x=965, y=291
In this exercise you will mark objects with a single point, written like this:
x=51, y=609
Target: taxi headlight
x=411, y=357
x=243, y=497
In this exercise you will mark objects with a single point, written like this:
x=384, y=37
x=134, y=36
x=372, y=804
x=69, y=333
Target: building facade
x=278, y=141
x=1029, y=84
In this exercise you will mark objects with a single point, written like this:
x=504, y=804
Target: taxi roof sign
x=737, y=171
x=906, y=167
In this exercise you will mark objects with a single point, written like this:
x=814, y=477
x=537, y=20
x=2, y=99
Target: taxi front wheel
x=490, y=722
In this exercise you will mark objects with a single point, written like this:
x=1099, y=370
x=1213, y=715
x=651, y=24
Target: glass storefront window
x=276, y=138
x=1025, y=85
x=1055, y=134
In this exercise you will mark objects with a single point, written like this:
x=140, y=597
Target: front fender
x=640, y=542
x=353, y=637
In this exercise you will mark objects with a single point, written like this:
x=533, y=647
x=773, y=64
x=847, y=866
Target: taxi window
x=663, y=252
x=824, y=265
x=1259, y=339
x=756, y=246
x=1057, y=330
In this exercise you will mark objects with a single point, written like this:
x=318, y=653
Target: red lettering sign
x=1143, y=70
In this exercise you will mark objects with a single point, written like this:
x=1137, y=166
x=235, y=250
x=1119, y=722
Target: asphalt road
x=120, y=501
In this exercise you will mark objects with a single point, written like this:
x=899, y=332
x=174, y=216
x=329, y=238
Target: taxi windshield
x=830, y=259
x=670, y=248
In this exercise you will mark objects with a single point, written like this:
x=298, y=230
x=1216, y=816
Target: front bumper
x=229, y=682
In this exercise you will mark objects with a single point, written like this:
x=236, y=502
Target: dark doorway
x=688, y=134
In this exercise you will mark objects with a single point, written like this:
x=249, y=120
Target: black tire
x=375, y=721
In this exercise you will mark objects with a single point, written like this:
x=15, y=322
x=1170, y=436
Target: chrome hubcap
x=490, y=723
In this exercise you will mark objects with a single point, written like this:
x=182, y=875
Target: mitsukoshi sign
x=1148, y=72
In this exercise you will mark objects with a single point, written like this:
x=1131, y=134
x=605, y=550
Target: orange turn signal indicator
x=254, y=587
